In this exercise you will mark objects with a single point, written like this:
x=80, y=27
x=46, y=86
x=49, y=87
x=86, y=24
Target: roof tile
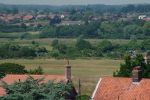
x=117, y=88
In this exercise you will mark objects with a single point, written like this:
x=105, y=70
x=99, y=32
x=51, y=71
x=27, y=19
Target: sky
x=75, y=2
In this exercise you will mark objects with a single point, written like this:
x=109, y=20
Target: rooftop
x=119, y=88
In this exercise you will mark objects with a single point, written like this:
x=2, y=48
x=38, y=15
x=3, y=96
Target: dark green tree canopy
x=35, y=89
x=128, y=65
x=11, y=68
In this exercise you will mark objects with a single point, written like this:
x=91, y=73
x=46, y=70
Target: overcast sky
x=74, y=2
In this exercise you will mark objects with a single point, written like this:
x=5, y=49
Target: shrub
x=32, y=89
x=11, y=68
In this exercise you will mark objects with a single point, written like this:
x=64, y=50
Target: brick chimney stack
x=136, y=74
x=68, y=72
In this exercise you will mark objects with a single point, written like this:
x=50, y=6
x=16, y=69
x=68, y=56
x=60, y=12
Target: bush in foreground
x=32, y=89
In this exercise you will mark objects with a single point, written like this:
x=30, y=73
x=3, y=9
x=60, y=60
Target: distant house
x=146, y=19
x=41, y=17
x=142, y=17
x=67, y=23
x=62, y=16
x=28, y=17
x=120, y=88
x=11, y=78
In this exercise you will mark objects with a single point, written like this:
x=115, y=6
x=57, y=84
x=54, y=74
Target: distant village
x=37, y=19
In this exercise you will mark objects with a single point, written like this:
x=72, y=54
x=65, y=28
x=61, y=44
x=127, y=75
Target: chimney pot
x=136, y=74
x=146, y=58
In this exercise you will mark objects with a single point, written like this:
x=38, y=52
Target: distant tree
x=105, y=46
x=82, y=44
x=146, y=28
x=128, y=8
x=41, y=51
x=62, y=48
x=55, y=20
x=134, y=45
x=55, y=53
x=146, y=44
x=55, y=43
x=48, y=31
x=26, y=52
x=130, y=30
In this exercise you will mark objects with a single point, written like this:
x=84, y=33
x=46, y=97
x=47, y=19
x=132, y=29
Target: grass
x=88, y=71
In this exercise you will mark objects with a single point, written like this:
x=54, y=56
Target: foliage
x=127, y=67
x=55, y=43
x=55, y=20
x=38, y=71
x=17, y=51
x=105, y=46
x=34, y=89
x=82, y=44
x=48, y=31
x=11, y=68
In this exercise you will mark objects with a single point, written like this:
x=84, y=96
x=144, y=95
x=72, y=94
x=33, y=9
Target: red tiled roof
x=146, y=19
x=115, y=88
x=28, y=17
x=11, y=78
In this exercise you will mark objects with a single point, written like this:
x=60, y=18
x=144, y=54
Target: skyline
x=75, y=2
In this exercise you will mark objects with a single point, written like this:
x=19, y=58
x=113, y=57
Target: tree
x=26, y=52
x=11, y=68
x=82, y=44
x=48, y=31
x=146, y=28
x=55, y=43
x=134, y=45
x=55, y=20
x=146, y=44
x=105, y=46
x=132, y=30
x=127, y=67
x=35, y=89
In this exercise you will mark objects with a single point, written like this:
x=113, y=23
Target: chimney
x=68, y=72
x=136, y=75
x=146, y=58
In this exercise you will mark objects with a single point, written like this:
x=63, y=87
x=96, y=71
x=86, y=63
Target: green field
x=89, y=71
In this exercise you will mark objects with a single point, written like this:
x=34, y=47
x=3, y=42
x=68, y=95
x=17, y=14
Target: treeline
x=105, y=29
x=16, y=51
x=82, y=8
x=101, y=29
x=82, y=48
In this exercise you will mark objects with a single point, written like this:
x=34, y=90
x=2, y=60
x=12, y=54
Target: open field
x=89, y=71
